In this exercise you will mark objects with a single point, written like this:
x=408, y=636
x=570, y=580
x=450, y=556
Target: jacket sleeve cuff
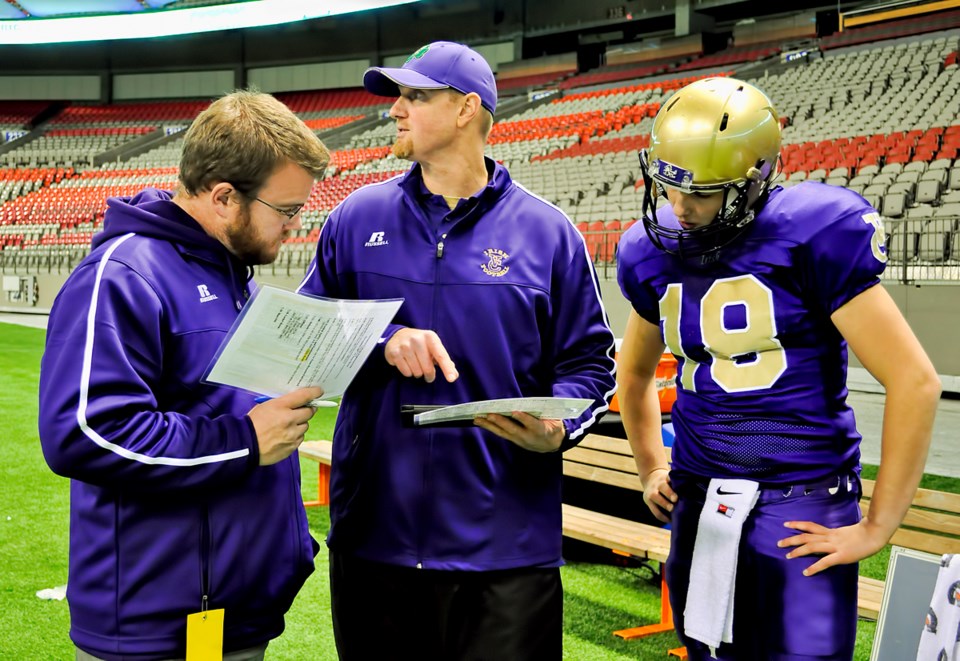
x=387, y=334
x=250, y=433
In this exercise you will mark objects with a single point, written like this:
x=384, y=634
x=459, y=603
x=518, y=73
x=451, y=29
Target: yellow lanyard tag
x=205, y=636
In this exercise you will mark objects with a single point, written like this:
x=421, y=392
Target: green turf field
x=33, y=552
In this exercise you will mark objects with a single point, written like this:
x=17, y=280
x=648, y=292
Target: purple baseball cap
x=440, y=65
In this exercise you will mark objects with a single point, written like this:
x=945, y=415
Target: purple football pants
x=779, y=614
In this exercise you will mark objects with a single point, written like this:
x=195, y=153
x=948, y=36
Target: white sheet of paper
x=285, y=340
x=548, y=408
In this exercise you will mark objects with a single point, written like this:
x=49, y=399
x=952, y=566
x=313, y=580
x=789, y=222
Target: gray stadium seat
x=893, y=205
x=884, y=178
x=921, y=212
x=928, y=192
x=935, y=175
x=901, y=243
x=954, y=181
x=951, y=209
x=875, y=189
x=933, y=244
x=907, y=187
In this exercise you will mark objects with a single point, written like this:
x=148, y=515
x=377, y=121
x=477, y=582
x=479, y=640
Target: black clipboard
x=408, y=414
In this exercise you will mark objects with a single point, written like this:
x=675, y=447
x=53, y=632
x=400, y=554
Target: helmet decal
x=674, y=174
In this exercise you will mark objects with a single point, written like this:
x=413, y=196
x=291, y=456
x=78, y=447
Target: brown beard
x=245, y=244
x=403, y=148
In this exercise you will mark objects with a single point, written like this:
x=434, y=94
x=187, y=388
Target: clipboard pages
x=283, y=340
x=550, y=408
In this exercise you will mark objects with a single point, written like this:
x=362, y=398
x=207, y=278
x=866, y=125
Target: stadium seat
x=933, y=245
x=884, y=178
x=902, y=241
x=954, y=180
x=893, y=205
x=907, y=187
x=928, y=191
x=939, y=175
x=951, y=209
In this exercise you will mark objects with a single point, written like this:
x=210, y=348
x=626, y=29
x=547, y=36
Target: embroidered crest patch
x=495, y=265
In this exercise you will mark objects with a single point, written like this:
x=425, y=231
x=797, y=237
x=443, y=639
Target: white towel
x=708, y=616
x=939, y=640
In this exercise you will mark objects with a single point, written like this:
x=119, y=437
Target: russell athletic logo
x=205, y=295
x=376, y=239
x=495, y=262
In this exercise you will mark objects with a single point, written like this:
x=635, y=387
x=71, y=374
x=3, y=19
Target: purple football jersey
x=761, y=387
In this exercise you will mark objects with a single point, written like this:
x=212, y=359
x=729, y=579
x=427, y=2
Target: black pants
x=387, y=612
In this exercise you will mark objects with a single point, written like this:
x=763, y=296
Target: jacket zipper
x=205, y=560
x=426, y=477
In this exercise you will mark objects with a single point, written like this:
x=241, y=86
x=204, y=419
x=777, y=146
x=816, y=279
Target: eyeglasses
x=289, y=212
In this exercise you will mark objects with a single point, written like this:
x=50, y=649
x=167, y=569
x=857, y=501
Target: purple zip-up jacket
x=168, y=505
x=511, y=291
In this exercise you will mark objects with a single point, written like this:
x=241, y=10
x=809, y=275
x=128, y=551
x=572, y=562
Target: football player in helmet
x=758, y=291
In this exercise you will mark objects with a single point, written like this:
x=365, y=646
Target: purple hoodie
x=168, y=505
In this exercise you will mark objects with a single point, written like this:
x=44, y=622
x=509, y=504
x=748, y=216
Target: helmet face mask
x=718, y=135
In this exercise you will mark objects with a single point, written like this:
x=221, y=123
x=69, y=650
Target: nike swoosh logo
x=721, y=492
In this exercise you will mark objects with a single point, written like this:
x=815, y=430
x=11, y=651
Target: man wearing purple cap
x=446, y=541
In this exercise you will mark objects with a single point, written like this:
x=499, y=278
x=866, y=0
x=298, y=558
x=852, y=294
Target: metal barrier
x=919, y=250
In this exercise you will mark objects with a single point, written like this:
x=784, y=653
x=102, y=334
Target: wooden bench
x=322, y=453
x=609, y=461
x=932, y=524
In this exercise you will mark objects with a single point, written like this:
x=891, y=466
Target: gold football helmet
x=717, y=135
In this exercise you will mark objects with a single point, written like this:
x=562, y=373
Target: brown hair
x=242, y=138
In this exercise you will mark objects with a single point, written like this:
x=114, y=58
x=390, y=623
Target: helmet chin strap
x=707, y=241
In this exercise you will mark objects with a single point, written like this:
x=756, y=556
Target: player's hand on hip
x=280, y=423
x=415, y=352
x=658, y=494
x=837, y=546
x=527, y=431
